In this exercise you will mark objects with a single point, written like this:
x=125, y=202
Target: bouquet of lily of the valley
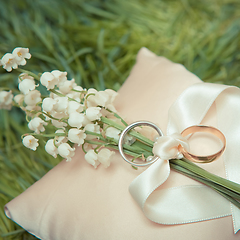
x=71, y=116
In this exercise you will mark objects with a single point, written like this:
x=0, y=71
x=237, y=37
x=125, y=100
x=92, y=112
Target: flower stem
x=117, y=116
x=207, y=175
x=130, y=153
x=225, y=192
x=135, y=134
x=29, y=73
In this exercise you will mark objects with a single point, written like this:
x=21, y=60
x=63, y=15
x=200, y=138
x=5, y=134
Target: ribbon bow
x=178, y=205
x=166, y=147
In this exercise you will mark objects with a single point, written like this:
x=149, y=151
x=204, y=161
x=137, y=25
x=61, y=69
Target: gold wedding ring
x=206, y=129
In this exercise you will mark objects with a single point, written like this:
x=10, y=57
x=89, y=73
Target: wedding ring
x=126, y=130
x=207, y=129
x=188, y=131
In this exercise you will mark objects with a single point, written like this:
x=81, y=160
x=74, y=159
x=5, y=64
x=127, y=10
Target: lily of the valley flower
x=76, y=119
x=8, y=62
x=11, y=61
x=66, y=86
x=60, y=116
x=32, y=108
x=26, y=85
x=48, y=104
x=48, y=80
x=30, y=142
x=20, y=54
x=105, y=157
x=88, y=146
x=65, y=151
x=60, y=139
x=19, y=98
x=112, y=95
x=60, y=76
x=76, y=93
x=76, y=136
x=98, y=99
x=61, y=105
x=92, y=128
x=23, y=76
x=92, y=158
x=51, y=148
x=74, y=107
x=37, y=125
x=6, y=100
x=32, y=98
x=112, y=132
x=93, y=113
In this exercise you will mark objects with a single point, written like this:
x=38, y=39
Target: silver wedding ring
x=126, y=130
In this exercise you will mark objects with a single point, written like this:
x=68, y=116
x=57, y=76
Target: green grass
x=96, y=42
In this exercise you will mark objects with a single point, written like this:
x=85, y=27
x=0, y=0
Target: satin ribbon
x=166, y=147
x=194, y=203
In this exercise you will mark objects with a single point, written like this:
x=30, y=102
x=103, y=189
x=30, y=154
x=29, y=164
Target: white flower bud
x=91, y=91
x=88, y=146
x=105, y=157
x=23, y=76
x=51, y=148
x=92, y=158
x=30, y=142
x=20, y=54
x=112, y=95
x=26, y=85
x=33, y=108
x=48, y=80
x=76, y=119
x=48, y=104
x=37, y=125
x=92, y=128
x=60, y=76
x=62, y=104
x=53, y=95
x=6, y=100
x=60, y=139
x=112, y=132
x=93, y=113
x=66, y=86
x=59, y=123
x=19, y=99
x=74, y=107
x=32, y=98
x=78, y=88
x=76, y=136
x=65, y=151
x=100, y=98
x=8, y=62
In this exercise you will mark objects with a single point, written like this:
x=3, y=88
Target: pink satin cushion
x=76, y=201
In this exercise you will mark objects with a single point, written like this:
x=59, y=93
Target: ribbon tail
x=175, y=205
x=228, y=111
x=185, y=204
x=144, y=185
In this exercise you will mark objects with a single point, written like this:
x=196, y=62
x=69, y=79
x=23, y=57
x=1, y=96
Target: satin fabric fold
x=194, y=203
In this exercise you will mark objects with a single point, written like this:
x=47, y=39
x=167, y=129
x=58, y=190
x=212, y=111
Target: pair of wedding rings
x=188, y=131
